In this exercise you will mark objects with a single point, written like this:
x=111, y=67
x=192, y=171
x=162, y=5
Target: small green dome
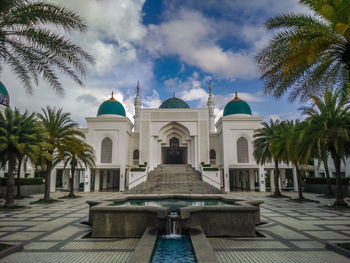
x=4, y=96
x=237, y=106
x=111, y=106
x=174, y=103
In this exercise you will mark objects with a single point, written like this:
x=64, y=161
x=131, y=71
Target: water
x=173, y=224
x=173, y=249
x=174, y=203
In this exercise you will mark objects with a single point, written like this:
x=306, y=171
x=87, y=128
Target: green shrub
x=138, y=169
x=320, y=180
x=210, y=169
x=24, y=181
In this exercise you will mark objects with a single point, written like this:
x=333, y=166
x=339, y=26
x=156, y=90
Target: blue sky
x=169, y=46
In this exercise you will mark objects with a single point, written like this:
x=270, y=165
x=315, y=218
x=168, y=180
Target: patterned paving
x=293, y=233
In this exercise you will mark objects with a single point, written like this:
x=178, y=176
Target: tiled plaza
x=293, y=233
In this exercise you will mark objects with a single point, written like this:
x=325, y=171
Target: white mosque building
x=221, y=151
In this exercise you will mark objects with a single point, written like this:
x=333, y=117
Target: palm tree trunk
x=10, y=180
x=339, y=201
x=300, y=189
x=19, y=177
x=71, y=194
x=276, y=177
x=329, y=186
x=48, y=181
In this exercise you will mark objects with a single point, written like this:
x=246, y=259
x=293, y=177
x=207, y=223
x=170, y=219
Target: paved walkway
x=293, y=233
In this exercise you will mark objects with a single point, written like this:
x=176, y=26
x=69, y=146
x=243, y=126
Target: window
x=136, y=156
x=212, y=156
x=174, y=143
x=242, y=150
x=106, y=150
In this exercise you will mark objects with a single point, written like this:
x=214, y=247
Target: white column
x=295, y=179
x=252, y=179
x=283, y=183
x=104, y=181
x=226, y=179
x=122, y=178
x=87, y=180
x=196, y=160
x=272, y=180
x=97, y=180
x=262, y=184
x=53, y=180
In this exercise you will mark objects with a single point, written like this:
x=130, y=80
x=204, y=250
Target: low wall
x=212, y=178
x=136, y=178
x=322, y=189
x=26, y=189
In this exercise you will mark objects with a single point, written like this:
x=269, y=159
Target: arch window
x=136, y=156
x=212, y=156
x=242, y=150
x=174, y=143
x=106, y=150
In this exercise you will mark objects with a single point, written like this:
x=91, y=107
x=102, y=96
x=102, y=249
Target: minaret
x=211, y=105
x=137, y=105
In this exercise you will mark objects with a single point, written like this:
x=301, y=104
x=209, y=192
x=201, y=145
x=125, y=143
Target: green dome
x=237, y=106
x=111, y=106
x=4, y=96
x=174, y=103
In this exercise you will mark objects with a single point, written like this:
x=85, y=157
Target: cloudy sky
x=169, y=46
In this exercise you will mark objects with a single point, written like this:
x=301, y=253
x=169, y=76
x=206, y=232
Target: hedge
x=138, y=169
x=210, y=169
x=24, y=181
x=320, y=180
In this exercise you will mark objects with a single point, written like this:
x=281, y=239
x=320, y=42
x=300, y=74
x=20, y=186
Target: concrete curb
x=11, y=250
x=144, y=249
x=335, y=247
x=203, y=250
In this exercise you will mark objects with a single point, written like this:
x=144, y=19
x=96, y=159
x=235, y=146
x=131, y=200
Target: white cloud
x=192, y=37
x=152, y=101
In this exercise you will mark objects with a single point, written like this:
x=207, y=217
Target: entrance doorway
x=174, y=154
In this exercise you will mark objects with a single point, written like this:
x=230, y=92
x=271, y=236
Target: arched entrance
x=176, y=144
x=174, y=154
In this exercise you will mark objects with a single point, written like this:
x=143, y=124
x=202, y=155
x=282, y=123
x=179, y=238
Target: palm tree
x=263, y=150
x=19, y=134
x=33, y=50
x=310, y=52
x=329, y=124
x=82, y=155
x=62, y=134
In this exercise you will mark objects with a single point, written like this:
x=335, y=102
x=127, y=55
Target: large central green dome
x=111, y=107
x=4, y=96
x=237, y=106
x=174, y=103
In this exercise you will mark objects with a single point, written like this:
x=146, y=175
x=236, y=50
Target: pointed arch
x=106, y=150
x=242, y=150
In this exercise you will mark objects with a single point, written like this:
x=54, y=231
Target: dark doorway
x=174, y=154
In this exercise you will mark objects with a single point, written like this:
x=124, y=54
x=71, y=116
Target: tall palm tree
x=33, y=50
x=264, y=152
x=82, y=155
x=309, y=52
x=329, y=123
x=61, y=134
x=19, y=134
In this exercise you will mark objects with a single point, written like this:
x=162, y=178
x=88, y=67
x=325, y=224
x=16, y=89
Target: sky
x=169, y=46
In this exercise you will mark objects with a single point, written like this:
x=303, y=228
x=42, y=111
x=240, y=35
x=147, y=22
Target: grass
x=70, y=197
x=4, y=246
x=344, y=245
x=304, y=200
x=4, y=208
x=278, y=196
x=43, y=201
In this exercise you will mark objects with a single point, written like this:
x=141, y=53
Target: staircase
x=174, y=179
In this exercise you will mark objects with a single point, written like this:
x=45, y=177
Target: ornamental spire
x=236, y=97
x=174, y=94
x=210, y=88
x=112, y=97
x=138, y=88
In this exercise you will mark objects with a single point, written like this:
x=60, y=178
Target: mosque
x=173, y=134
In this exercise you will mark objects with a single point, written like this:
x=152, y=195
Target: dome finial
x=112, y=97
x=236, y=97
x=174, y=94
x=210, y=87
x=138, y=88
